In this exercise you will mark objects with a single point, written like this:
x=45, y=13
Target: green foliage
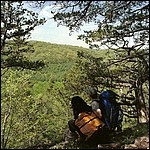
x=117, y=22
x=52, y=53
x=130, y=133
x=37, y=102
x=16, y=24
x=119, y=75
x=16, y=104
x=39, y=88
x=29, y=120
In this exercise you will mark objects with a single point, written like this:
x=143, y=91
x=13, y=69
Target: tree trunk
x=140, y=105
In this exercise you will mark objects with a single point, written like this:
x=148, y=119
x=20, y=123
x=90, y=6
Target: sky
x=49, y=32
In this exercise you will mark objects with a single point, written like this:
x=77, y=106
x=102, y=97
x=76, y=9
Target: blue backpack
x=113, y=115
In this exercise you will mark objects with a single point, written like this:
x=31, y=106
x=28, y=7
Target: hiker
x=96, y=106
x=85, y=121
x=99, y=110
x=106, y=108
x=78, y=105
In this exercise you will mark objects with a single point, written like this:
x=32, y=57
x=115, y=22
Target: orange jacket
x=88, y=123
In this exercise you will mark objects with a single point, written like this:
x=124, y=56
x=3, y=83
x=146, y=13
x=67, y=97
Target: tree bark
x=140, y=105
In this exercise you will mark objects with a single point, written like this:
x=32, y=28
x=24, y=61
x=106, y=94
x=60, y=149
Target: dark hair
x=79, y=105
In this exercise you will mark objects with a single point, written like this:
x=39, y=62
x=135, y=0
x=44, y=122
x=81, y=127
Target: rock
x=142, y=142
x=130, y=146
x=116, y=145
x=70, y=136
x=139, y=143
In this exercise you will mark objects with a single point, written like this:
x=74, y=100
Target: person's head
x=75, y=100
x=92, y=92
x=79, y=105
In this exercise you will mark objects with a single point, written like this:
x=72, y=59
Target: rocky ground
x=119, y=141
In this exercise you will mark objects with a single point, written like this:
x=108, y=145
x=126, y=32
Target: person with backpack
x=96, y=107
x=85, y=121
x=106, y=103
x=78, y=105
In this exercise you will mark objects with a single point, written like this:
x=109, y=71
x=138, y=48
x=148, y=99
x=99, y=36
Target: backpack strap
x=88, y=121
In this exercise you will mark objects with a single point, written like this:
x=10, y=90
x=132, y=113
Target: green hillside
x=37, y=98
x=58, y=59
x=35, y=104
x=58, y=53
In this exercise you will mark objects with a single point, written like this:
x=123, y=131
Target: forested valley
x=36, y=103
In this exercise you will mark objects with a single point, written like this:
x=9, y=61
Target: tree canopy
x=16, y=24
x=118, y=22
